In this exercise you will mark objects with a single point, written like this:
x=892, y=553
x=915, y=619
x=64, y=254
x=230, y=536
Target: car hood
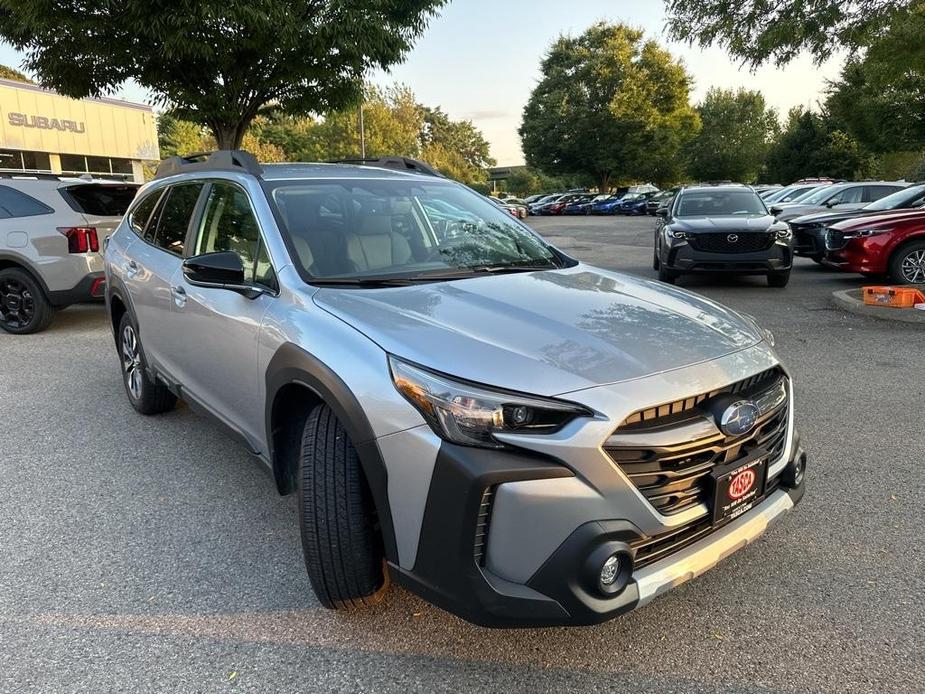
x=825, y=218
x=882, y=218
x=790, y=211
x=695, y=224
x=547, y=332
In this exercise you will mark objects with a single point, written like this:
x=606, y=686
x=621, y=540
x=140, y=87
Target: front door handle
x=132, y=269
x=179, y=296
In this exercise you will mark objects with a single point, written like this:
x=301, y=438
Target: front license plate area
x=737, y=486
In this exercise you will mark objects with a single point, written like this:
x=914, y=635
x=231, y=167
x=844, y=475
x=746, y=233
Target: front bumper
x=682, y=257
x=809, y=241
x=450, y=570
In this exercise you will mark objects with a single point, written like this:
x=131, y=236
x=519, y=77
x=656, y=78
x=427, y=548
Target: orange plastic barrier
x=894, y=297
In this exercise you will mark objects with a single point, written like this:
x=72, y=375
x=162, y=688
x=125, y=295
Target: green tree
x=218, y=63
x=9, y=73
x=609, y=104
x=455, y=148
x=738, y=130
x=880, y=96
x=757, y=31
x=809, y=147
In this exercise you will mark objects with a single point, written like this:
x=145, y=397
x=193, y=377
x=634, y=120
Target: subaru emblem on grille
x=732, y=238
x=739, y=418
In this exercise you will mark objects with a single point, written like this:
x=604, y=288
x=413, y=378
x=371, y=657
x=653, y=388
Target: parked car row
x=875, y=228
x=627, y=200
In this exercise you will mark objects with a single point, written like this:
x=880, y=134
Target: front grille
x=805, y=238
x=731, y=242
x=481, y=525
x=669, y=451
x=654, y=548
x=835, y=240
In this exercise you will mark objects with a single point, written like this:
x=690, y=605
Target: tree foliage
x=757, y=31
x=218, y=63
x=395, y=124
x=609, y=104
x=738, y=131
x=809, y=147
x=9, y=73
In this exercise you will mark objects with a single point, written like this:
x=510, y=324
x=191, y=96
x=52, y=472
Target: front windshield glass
x=396, y=229
x=913, y=196
x=818, y=195
x=720, y=203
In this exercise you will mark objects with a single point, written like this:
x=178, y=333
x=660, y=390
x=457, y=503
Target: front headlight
x=676, y=234
x=784, y=234
x=863, y=233
x=471, y=415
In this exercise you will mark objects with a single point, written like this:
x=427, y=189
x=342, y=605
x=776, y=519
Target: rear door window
x=13, y=203
x=99, y=200
x=174, y=217
x=139, y=217
x=872, y=193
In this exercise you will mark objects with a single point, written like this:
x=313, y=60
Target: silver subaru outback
x=461, y=408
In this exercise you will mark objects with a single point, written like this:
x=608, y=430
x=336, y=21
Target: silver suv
x=51, y=231
x=460, y=407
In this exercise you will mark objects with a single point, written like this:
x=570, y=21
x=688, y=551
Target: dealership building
x=44, y=132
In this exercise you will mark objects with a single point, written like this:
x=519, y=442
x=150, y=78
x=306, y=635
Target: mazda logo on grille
x=732, y=238
x=739, y=418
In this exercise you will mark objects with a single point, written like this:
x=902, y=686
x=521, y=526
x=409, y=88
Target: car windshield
x=363, y=231
x=818, y=195
x=914, y=196
x=720, y=203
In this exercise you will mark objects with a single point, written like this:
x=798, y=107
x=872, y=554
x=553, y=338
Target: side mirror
x=661, y=212
x=219, y=270
x=832, y=203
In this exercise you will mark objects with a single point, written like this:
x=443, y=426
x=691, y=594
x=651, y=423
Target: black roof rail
x=220, y=160
x=18, y=173
x=397, y=163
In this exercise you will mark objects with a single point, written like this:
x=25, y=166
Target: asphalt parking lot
x=153, y=554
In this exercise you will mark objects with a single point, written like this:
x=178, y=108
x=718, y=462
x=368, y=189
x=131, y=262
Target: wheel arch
x=10, y=260
x=296, y=381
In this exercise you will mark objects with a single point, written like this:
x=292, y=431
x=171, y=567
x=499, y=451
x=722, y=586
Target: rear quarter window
x=100, y=200
x=14, y=203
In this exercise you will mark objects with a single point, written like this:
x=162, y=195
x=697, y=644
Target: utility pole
x=362, y=134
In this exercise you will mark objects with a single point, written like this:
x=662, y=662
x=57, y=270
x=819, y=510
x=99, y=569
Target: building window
x=73, y=163
x=121, y=166
x=15, y=160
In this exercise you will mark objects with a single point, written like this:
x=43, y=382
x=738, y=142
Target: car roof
x=303, y=171
x=725, y=188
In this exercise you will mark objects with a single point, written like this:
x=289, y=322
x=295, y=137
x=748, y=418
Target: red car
x=887, y=244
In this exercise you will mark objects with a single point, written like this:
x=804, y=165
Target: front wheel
x=667, y=276
x=341, y=541
x=907, y=265
x=23, y=306
x=144, y=393
x=778, y=279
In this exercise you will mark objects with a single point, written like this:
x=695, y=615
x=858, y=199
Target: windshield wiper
x=362, y=281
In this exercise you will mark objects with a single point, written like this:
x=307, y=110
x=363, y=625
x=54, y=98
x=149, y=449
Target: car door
x=152, y=267
x=217, y=330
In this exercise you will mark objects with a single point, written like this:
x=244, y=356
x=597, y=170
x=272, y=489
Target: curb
x=850, y=300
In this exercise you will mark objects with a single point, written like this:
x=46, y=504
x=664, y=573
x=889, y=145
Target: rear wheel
x=907, y=265
x=778, y=279
x=341, y=541
x=144, y=393
x=23, y=306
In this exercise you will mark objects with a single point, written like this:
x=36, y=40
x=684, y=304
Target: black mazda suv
x=723, y=228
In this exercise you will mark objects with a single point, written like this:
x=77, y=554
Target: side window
x=174, y=216
x=872, y=193
x=16, y=204
x=141, y=213
x=229, y=224
x=848, y=195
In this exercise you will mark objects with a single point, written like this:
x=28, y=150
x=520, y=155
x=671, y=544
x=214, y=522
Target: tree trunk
x=605, y=183
x=229, y=135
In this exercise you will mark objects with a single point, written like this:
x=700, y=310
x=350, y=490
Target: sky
x=479, y=60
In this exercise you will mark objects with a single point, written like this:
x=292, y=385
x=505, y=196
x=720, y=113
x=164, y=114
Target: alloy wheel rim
x=131, y=361
x=913, y=267
x=17, y=305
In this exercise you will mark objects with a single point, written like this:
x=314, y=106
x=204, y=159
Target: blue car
x=606, y=206
x=633, y=204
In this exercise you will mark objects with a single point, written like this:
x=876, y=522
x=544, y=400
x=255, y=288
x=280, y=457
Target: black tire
x=778, y=279
x=667, y=276
x=907, y=264
x=24, y=308
x=145, y=394
x=817, y=259
x=341, y=540
x=656, y=263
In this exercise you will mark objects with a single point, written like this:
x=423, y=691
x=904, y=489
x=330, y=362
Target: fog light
x=610, y=570
x=795, y=472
